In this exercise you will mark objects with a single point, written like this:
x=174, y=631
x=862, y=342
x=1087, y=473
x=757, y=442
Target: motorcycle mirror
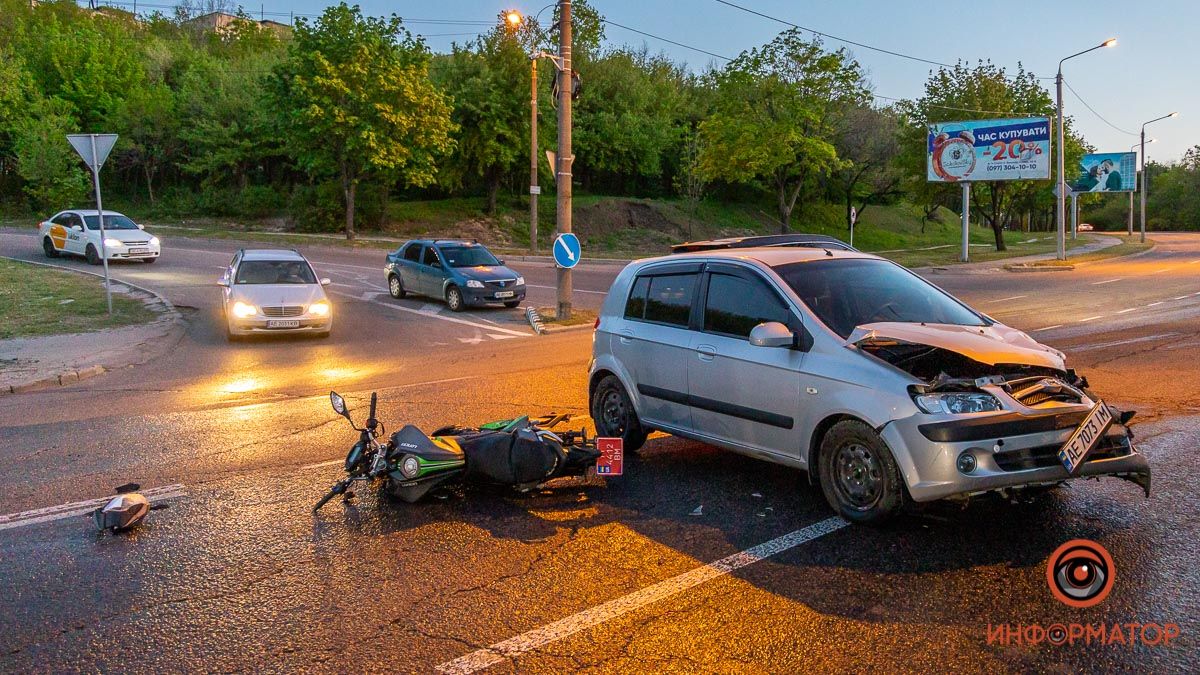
x=339, y=404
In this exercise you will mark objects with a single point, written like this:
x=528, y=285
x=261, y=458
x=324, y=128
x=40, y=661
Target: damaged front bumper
x=952, y=456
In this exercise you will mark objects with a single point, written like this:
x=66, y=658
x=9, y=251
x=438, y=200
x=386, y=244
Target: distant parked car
x=463, y=273
x=77, y=232
x=273, y=291
x=1085, y=227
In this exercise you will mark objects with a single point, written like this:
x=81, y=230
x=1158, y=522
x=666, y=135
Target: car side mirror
x=772, y=334
x=501, y=261
x=325, y=281
x=77, y=228
x=223, y=281
x=141, y=226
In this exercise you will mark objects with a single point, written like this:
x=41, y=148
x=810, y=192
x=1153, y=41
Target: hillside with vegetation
x=350, y=124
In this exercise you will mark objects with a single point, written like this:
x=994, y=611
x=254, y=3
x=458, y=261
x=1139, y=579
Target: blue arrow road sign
x=566, y=250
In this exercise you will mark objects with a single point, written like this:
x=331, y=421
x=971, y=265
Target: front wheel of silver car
x=858, y=474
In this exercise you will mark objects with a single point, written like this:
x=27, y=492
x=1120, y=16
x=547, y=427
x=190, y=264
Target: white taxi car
x=77, y=232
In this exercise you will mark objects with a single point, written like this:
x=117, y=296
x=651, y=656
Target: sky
x=1151, y=72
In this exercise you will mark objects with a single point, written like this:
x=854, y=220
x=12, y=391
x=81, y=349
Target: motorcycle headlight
x=112, y=243
x=409, y=466
x=957, y=402
x=242, y=310
x=520, y=281
x=474, y=283
x=320, y=308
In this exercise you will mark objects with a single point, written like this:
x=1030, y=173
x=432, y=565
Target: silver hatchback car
x=883, y=387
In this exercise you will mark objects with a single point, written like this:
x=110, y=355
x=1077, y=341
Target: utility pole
x=564, y=149
x=1060, y=200
x=534, y=189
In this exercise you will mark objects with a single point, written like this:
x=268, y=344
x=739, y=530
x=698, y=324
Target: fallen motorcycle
x=522, y=453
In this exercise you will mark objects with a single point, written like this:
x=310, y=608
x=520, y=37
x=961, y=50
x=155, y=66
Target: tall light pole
x=565, y=157
x=1137, y=186
x=1062, y=180
x=1146, y=178
x=514, y=19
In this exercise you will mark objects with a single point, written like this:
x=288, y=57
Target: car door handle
x=625, y=335
x=706, y=352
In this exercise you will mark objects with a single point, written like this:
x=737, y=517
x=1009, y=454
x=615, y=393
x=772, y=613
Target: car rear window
x=665, y=299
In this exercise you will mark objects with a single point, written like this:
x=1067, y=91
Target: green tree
x=45, y=161
x=148, y=123
x=867, y=142
x=774, y=117
x=358, y=102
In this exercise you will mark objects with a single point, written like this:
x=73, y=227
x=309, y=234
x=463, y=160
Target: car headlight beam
x=109, y=242
x=957, y=402
x=242, y=310
x=520, y=281
x=320, y=308
x=474, y=283
x=154, y=241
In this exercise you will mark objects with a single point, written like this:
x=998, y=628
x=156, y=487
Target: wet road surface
x=237, y=575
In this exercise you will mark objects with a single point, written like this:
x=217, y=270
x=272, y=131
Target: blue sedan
x=463, y=273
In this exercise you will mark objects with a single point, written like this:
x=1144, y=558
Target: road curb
x=170, y=318
x=551, y=330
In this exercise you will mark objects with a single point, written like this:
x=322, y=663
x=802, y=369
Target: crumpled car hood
x=992, y=345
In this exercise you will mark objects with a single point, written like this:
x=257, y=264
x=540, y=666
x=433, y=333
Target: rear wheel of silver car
x=859, y=476
x=454, y=299
x=614, y=415
x=48, y=248
x=396, y=287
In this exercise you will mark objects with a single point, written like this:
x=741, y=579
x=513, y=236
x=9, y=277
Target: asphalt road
x=237, y=575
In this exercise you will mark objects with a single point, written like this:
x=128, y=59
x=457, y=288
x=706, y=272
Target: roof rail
x=770, y=240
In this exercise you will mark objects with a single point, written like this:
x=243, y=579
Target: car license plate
x=1085, y=437
x=135, y=251
x=505, y=294
x=290, y=323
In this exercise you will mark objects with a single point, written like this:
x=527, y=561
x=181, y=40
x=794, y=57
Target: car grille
x=1044, y=390
x=290, y=310
x=136, y=243
x=1047, y=455
x=500, y=284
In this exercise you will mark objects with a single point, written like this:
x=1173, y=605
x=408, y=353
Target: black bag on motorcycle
x=507, y=458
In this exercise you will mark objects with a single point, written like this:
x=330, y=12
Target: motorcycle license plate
x=1085, y=437
x=138, y=251
x=505, y=294
x=289, y=323
x=612, y=457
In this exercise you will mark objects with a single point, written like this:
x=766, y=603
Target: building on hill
x=219, y=22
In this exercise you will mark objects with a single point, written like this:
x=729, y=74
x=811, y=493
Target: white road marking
x=1155, y=304
x=1116, y=343
x=1131, y=309
x=1100, y=283
x=1057, y=325
x=1091, y=318
x=577, y=290
x=1015, y=297
x=321, y=464
x=1162, y=270
x=1180, y=297
x=35, y=516
x=1194, y=262
x=516, y=646
x=451, y=319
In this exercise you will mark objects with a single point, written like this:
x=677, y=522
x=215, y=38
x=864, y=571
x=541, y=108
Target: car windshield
x=847, y=293
x=112, y=221
x=275, y=272
x=468, y=256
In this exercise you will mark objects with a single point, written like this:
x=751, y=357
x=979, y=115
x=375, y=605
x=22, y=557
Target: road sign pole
x=1074, y=215
x=565, y=156
x=100, y=216
x=966, y=221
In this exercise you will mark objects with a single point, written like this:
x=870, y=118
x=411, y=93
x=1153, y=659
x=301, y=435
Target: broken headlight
x=957, y=402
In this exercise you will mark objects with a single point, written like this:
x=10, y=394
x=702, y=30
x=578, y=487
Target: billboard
x=1009, y=149
x=1107, y=172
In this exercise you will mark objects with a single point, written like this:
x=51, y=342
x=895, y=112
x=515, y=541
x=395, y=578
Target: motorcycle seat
x=412, y=440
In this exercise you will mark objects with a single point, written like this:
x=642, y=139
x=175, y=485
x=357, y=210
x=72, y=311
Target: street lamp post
x=1062, y=180
x=1145, y=187
x=1137, y=186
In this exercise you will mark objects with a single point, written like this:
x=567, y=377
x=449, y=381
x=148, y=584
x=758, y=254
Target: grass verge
x=36, y=301
x=578, y=317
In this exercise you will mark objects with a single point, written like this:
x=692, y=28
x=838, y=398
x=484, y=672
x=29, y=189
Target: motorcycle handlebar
x=371, y=422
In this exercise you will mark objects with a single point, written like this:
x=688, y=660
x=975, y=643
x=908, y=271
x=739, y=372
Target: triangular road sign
x=83, y=145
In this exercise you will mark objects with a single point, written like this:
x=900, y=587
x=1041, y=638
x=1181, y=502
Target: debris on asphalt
x=698, y=512
x=756, y=495
x=125, y=511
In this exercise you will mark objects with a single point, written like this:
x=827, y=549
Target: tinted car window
x=431, y=256
x=62, y=219
x=848, y=293
x=412, y=252
x=468, y=256
x=635, y=307
x=669, y=299
x=735, y=305
x=275, y=272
